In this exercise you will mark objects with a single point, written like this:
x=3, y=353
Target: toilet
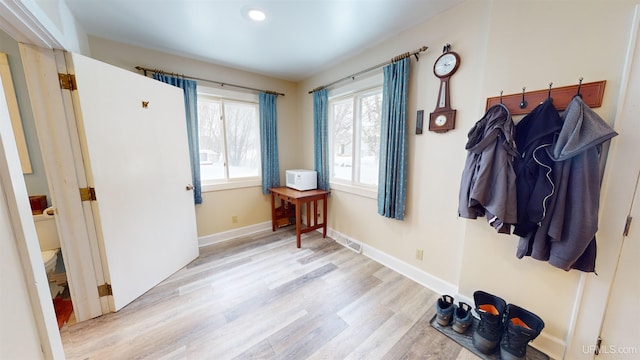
x=50, y=259
x=50, y=248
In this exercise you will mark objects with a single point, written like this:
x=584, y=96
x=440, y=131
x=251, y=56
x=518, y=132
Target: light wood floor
x=262, y=298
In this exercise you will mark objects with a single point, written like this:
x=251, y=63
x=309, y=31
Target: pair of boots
x=509, y=326
x=459, y=316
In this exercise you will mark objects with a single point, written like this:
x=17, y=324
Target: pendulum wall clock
x=443, y=118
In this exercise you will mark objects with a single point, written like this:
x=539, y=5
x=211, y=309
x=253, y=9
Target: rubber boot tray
x=465, y=340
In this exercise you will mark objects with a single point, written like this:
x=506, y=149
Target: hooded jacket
x=566, y=236
x=535, y=133
x=488, y=179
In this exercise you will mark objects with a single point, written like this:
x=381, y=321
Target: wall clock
x=443, y=118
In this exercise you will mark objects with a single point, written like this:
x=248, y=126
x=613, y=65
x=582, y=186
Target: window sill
x=356, y=190
x=209, y=187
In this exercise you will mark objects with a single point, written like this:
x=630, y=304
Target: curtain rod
x=352, y=76
x=222, y=84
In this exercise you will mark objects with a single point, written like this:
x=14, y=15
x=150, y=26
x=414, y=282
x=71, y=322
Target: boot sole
x=483, y=345
x=505, y=355
x=458, y=328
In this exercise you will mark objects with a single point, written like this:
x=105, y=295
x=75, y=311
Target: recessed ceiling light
x=257, y=15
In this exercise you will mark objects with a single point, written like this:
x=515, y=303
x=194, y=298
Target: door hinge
x=627, y=226
x=598, y=344
x=87, y=194
x=104, y=290
x=68, y=82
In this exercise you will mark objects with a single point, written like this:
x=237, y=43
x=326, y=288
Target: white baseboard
x=232, y=234
x=427, y=280
x=550, y=345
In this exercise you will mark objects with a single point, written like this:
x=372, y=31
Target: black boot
x=491, y=310
x=521, y=327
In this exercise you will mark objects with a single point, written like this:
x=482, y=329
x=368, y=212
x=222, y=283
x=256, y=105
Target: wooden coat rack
x=591, y=93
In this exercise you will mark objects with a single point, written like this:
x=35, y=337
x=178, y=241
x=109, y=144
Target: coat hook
x=500, y=96
x=145, y=104
x=549, y=95
x=523, y=103
x=579, y=86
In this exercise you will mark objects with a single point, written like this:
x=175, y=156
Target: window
x=229, y=136
x=354, y=123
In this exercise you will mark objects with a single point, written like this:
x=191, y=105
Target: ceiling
x=298, y=38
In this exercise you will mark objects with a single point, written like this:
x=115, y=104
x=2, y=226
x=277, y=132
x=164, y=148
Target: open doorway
x=43, y=215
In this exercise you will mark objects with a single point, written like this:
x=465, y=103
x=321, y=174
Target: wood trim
x=14, y=113
x=50, y=116
x=592, y=94
x=20, y=22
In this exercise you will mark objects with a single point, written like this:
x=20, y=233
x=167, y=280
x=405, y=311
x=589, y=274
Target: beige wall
x=248, y=204
x=504, y=45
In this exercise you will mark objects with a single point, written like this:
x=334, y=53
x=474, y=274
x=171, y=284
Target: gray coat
x=566, y=237
x=488, y=179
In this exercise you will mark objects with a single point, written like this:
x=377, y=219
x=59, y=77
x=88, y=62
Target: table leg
x=273, y=212
x=298, y=221
x=324, y=217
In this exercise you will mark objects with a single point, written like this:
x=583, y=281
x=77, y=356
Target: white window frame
x=237, y=183
x=363, y=86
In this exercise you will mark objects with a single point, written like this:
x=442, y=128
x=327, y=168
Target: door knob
x=189, y=187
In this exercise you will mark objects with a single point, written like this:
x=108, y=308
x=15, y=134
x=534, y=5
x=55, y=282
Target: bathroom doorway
x=110, y=238
x=50, y=246
x=43, y=216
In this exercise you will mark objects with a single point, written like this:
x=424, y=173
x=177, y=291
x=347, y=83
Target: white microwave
x=302, y=179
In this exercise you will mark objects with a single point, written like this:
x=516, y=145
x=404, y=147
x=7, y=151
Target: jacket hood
x=540, y=123
x=497, y=120
x=582, y=129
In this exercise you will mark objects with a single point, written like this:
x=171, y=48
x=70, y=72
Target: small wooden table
x=298, y=198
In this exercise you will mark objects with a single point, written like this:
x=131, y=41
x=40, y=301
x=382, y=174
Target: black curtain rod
x=222, y=84
x=353, y=76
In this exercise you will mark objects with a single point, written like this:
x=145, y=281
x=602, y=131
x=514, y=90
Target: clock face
x=446, y=64
x=442, y=120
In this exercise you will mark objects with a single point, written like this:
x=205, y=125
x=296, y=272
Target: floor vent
x=352, y=245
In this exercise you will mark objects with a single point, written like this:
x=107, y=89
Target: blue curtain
x=321, y=137
x=392, y=179
x=269, y=142
x=191, y=109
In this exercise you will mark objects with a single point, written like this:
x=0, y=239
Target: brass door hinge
x=87, y=194
x=68, y=82
x=104, y=290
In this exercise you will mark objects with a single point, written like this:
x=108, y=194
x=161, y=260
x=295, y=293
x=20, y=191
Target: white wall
x=504, y=45
x=28, y=327
x=19, y=338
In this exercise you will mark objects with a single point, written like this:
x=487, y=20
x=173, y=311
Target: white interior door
x=136, y=157
x=621, y=327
